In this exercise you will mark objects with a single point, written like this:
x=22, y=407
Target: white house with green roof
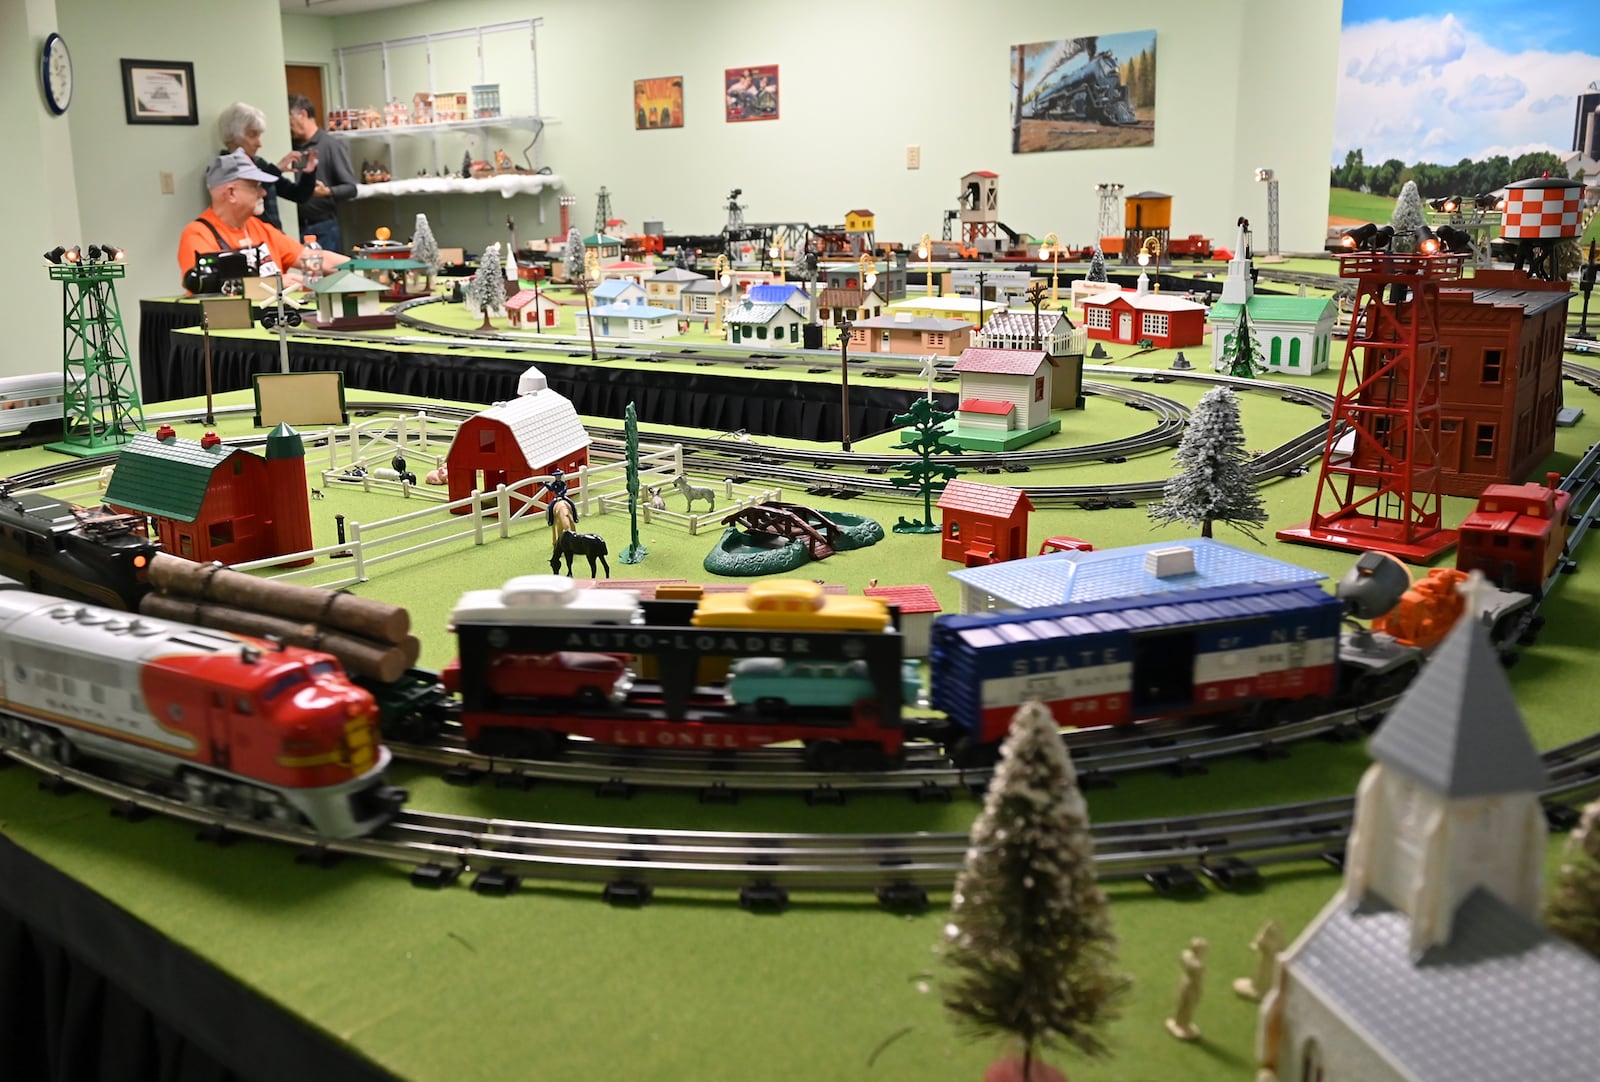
x=1296, y=333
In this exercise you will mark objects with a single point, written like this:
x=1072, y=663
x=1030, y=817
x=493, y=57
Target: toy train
x=52, y=547
x=218, y=720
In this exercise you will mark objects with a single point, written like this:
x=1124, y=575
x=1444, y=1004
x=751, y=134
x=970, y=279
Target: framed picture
x=1084, y=93
x=658, y=103
x=751, y=93
x=159, y=92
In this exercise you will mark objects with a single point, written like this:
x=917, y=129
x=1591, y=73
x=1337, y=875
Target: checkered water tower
x=1539, y=215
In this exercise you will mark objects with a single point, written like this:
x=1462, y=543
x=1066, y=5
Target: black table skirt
x=709, y=400
x=157, y=320
x=88, y=993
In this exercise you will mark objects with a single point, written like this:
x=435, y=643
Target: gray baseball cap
x=236, y=166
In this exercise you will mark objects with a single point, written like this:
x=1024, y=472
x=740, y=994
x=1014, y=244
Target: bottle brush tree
x=1573, y=908
x=1242, y=355
x=1408, y=216
x=424, y=249
x=488, y=289
x=1097, y=266
x=572, y=255
x=1029, y=939
x=924, y=419
x=1213, y=482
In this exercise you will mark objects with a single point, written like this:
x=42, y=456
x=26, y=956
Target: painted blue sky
x=1442, y=80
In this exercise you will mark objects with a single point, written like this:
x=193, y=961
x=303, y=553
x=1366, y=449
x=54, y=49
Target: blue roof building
x=780, y=293
x=629, y=320
x=617, y=291
x=1160, y=568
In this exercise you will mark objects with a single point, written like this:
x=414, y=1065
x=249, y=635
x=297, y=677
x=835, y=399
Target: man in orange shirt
x=230, y=224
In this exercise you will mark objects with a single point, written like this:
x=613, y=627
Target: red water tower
x=1379, y=483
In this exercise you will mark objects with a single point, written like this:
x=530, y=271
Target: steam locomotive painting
x=1083, y=93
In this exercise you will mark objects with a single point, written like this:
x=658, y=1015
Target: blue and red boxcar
x=1123, y=660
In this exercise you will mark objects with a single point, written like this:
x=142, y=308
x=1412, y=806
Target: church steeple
x=1237, y=287
x=1451, y=803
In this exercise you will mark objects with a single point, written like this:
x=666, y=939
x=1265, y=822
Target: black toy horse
x=571, y=544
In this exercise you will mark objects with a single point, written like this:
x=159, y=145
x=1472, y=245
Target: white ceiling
x=340, y=7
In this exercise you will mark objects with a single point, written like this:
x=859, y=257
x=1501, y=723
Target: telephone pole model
x=1379, y=483
x=602, y=211
x=101, y=409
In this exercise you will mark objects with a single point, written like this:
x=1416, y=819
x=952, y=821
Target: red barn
x=530, y=436
x=1168, y=320
x=208, y=501
x=983, y=524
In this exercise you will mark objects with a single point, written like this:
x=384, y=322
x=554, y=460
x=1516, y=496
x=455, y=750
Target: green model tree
x=635, y=552
x=1241, y=350
x=1213, y=482
x=925, y=419
x=1573, y=910
x=1029, y=935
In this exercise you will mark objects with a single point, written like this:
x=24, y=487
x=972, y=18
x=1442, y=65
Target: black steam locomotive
x=54, y=548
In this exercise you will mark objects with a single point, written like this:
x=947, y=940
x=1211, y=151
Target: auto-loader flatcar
x=224, y=721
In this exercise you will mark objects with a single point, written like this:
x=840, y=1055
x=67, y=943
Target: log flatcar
x=1516, y=534
x=1122, y=660
x=224, y=721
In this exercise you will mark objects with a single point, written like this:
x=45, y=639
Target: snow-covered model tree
x=1408, y=216
x=1573, y=910
x=1241, y=350
x=1097, y=266
x=1213, y=482
x=487, y=293
x=572, y=255
x=1029, y=935
x=424, y=249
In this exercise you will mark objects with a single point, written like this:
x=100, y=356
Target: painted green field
x=1344, y=203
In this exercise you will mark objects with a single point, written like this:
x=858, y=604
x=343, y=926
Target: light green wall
x=1241, y=83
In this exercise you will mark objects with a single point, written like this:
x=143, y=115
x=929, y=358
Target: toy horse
x=692, y=493
x=572, y=544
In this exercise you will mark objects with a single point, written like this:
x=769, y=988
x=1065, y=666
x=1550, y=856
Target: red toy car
x=1063, y=543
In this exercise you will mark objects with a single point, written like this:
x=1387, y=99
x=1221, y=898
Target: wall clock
x=55, y=71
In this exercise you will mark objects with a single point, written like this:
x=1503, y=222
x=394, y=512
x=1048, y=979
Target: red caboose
x=1516, y=534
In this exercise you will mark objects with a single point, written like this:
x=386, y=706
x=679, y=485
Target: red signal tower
x=1379, y=483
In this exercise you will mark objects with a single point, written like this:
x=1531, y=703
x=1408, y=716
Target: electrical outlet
x=913, y=157
x=167, y=185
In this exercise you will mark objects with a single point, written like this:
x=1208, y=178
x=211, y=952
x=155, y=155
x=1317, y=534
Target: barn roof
x=167, y=478
x=544, y=424
x=1002, y=362
x=1064, y=577
x=997, y=500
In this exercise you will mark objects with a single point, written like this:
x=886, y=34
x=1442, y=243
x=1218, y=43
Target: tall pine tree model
x=924, y=419
x=1408, y=217
x=572, y=255
x=1029, y=936
x=1573, y=910
x=424, y=249
x=1241, y=350
x=1213, y=482
x=488, y=289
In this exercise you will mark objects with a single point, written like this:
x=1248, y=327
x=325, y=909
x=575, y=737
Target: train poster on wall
x=1084, y=93
x=658, y=103
x=751, y=93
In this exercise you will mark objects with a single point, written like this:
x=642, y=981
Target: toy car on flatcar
x=222, y=720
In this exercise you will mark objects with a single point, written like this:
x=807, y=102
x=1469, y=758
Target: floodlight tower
x=1266, y=177
x=1110, y=210
x=602, y=210
x=101, y=407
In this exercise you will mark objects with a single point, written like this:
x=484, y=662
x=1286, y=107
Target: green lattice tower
x=101, y=407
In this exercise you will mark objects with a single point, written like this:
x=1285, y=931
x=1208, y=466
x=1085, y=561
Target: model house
x=1165, y=319
x=665, y=289
x=1052, y=332
x=532, y=310
x=751, y=321
x=918, y=606
x=348, y=300
x=619, y=291
x=906, y=333
x=835, y=305
x=788, y=293
x=858, y=226
x=208, y=501
x=974, y=310
x=1004, y=401
x=1296, y=333
x=1430, y=963
x=533, y=434
x=983, y=524
x=700, y=297
x=607, y=249
x=641, y=321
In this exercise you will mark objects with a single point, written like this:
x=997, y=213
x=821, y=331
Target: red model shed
x=983, y=524
x=530, y=436
x=531, y=308
x=1170, y=321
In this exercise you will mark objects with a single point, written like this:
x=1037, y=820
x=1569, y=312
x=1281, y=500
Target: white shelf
x=505, y=185
x=532, y=123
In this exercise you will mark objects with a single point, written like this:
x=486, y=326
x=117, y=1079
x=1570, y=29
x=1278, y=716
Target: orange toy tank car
x=1427, y=611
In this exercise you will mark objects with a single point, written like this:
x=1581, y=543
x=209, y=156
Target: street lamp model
x=925, y=251
x=1051, y=249
x=722, y=271
x=776, y=253
x=1151, y=248
x=844, y=382
x=1266, y=176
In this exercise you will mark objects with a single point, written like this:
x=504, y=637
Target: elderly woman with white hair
x=241, y=127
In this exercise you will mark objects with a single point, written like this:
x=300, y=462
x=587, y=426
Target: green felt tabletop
x=550, y=983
